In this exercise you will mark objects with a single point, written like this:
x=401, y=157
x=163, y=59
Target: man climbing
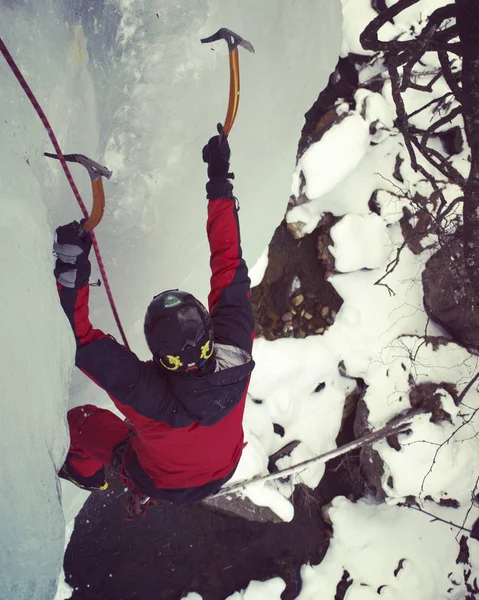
x=183, y=436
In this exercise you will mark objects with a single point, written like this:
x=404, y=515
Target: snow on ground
x=330, y=151
x=385, y=548
x=396, y=553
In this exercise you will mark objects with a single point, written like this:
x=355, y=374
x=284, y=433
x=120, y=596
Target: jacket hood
x=208, y=399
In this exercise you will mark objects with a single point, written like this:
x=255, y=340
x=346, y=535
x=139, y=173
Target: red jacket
x=188, y=433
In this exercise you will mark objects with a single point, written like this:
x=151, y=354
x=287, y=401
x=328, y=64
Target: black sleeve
x=131, y=382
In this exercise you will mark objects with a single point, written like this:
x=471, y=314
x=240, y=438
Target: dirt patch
x=294, y=299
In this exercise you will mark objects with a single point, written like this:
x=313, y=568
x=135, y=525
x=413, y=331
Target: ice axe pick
x=233, y=40
x=96, y=172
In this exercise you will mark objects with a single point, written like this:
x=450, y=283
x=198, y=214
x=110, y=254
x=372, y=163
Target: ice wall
x=128, y=83
x=36, y=347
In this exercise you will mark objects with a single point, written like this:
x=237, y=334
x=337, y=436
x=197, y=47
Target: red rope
x=26, y=88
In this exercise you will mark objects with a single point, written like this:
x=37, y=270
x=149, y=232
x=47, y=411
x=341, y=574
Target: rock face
x=370, y=463
x=242, y=507
x=294, y=299
x=448, y=296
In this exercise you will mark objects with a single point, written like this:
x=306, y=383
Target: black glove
x=216, y=154
x=72, y=246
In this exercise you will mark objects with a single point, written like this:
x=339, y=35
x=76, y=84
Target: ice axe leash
x=30, y=95
x=233, y=40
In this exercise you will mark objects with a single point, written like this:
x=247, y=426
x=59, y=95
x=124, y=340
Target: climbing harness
x=137, y=502
x=26, y=88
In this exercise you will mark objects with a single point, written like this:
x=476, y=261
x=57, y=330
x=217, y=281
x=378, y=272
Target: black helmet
x=178, y=331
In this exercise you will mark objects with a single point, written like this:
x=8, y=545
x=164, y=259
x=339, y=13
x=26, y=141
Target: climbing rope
x=26, y=88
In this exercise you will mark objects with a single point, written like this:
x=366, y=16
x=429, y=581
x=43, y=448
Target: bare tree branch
x=400, y=425
x=456, y=112
x=434, y=101
x=370, y=36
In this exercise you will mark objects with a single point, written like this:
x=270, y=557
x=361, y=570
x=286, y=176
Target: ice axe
x=96, y=172
x=233, y=40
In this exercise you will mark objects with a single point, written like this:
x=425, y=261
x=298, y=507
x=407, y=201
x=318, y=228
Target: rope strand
x=36, y=105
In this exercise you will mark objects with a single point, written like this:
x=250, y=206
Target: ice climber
x=183, y=436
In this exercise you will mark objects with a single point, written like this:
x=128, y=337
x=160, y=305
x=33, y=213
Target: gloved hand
x=216, y=154
x=72, y=246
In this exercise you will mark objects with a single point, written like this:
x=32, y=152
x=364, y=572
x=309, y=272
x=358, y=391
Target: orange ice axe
x=233, y=40
x=96, y=172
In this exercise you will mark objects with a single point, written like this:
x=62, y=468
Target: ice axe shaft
x=233, y=40
x=96, y=172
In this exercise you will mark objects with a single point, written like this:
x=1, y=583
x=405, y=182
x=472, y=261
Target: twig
x=401, y=112
x=463, y=424
x=435, y=517
x=434, y=101
x=439, y=123
x=448, y=209
x=390, y=268
x=441, y=164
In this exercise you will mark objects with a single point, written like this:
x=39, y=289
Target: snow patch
x=397, y=550
x=360, y=242
x=326, y=163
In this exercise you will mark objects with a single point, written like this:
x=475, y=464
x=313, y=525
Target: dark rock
x=235, y=506
x=343, y=586
x=349, y=413
x=452, y=140
x=292, y=260
x=393, y=442
x=361, y=425
x=176, y=549
x=449, y=503
x=399, y=567
x=372, y=470
x=475, y=530
x=426, y=396
x=397, y=169
x=373, y=203
x=371, y=464
x=463, y=556
x=448, y=296
x=281, y=453
x=343, y=83
x=324, y=241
